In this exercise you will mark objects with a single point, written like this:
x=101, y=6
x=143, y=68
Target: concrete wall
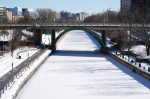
x=133, y=68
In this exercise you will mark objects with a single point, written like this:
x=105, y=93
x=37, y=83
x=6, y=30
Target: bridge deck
x=94, y=26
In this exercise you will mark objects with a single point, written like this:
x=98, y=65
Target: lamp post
x=1, y=20
x=45, y=40
x=3, y=45
x=28, y=59
x=12, y=71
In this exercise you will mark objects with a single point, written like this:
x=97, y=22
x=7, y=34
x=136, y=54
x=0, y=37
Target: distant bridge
x=39, y=28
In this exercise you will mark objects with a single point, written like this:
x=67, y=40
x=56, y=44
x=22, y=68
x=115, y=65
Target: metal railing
x=75, y=24
x=7, y=79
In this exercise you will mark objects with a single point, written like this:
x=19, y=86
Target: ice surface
x=77, y=70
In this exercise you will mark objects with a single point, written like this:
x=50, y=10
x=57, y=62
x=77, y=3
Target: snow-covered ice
x=77, y=70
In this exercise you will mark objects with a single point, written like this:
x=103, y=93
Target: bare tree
x=26, y=19
x=45, y=15
x=144, y=19
x=14, y=42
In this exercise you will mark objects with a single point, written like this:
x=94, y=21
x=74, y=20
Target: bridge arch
x=96, y=36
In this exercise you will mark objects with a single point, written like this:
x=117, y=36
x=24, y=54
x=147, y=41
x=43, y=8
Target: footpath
x=12, y=81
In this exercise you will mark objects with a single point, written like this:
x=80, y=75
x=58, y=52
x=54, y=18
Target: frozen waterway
x=77, y=70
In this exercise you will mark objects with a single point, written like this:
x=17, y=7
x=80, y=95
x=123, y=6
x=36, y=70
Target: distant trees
x=44, y=15
x=15, y=41
x=144, y=19
x=105, y=17
x=26, y=19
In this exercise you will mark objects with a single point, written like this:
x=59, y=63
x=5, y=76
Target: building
x=30, y=12
x=83, y=16
x=136, y=5
x=2, y=12
x=9, y=16
x=5, y=14
x=125, y=5
x=64, y=14
x=25, y=11
x=16, y=11
x=79, y=17
x=141, y=6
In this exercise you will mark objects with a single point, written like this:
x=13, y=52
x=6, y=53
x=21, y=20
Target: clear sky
x=89, y=6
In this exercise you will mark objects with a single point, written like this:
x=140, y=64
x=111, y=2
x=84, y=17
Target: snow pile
x=6, y=37
x=139, y=50
x=27, y=32
x=23, y=38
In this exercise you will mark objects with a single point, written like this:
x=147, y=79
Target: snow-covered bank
x=22, y=79
x=7, y=60
x=137, y=49
x=78, y=71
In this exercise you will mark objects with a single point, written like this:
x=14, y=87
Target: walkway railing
x=7, y=79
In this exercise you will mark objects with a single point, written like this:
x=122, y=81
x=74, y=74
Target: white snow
x=7, y=60
x=6, y=37
x=19, y=80
x=27, y=32
x=46, y=39
x=77, y=70
x=139, y=50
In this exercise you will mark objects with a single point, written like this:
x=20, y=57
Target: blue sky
x=90, y=6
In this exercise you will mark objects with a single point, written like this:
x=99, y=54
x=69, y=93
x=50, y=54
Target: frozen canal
x=77, y=70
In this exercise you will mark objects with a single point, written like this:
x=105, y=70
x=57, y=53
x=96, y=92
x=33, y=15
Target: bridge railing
x=75, y=24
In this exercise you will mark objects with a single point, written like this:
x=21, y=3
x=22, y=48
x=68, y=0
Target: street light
x=45, y=40
x=12, y=71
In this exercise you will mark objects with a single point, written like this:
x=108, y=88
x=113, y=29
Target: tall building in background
x=80, y=17
x=5, y=14
x=28, y=11
x=141, y=6
x=136, y=5
x=125, y=5
x=2, y=12
x=9, y=16
x=83, y=16
x=17, y=11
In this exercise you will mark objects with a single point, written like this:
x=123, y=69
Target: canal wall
x=130, y=66
x=29, y=76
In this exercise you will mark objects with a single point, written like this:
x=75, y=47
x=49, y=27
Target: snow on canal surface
x=77, y=71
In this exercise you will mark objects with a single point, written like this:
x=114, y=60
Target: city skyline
x=91, y=7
